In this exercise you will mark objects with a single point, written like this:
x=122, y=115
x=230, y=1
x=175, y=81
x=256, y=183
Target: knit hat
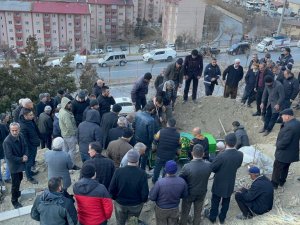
x=88, y=171
x=47, y=108
x=61, y=91
x=133, y=156
x=127, y=133
x=171, y=167
x=93, y=102
x=230, y=139
x=58, y=143
x=116, y=108
x=287, y=112
x=179, y=61
x=254, y=170
x=81, y=94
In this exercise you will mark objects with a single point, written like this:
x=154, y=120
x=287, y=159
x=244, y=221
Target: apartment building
x=182, y=17
x=150, y=10
x=56, y=25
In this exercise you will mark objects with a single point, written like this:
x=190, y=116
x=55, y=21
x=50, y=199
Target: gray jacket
x=241, y=137
x=174, y=74
x=273, y=95
x=59, y=163
x=196, y=174
x=225, y=167
x=45, y=123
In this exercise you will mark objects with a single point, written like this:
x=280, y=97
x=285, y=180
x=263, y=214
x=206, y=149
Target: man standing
x=31, y=135
x=15, y=151
x=45, y=125
x=225, y=167
x=260, y=86
x=272, y=101
x=94, y=104
x=140, y=90
x=254, y=60
x=241, y=135
x=212, y=73
x=196, y=174
x=192, y=70
x=105, y=101
x=97, y=88
x=285, y=60
x=129, y=188
x=68, y=127
x=58, y=97
x=167, y=193
x=287, y=147
x=167, y=141
x=233, y=74
x=53, y=206
x=41, y=105
x=79, y=104
x=258, y=199
x=250, y=80
x=291, y=88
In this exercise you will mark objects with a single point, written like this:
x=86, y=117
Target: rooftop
x=15, y=6
x=60, y=8
x=111, y=2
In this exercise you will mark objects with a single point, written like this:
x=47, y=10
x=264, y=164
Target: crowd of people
x=115, y=149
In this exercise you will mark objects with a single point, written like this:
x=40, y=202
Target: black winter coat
x=225, y=167
x=241, y=137
x=259, y=197
x=140, y=89
x=266, y=72
x=291, y=88
x=233, y=76
x=168, y=143
x=105, y=103
x=78, y=108
x=97, y=90
x=14, y=150
x=193, y=67
x=117, y=132
x=108, y=121
x=30, y=132
x=45, y=124
x=3, y=134
x=287, y=144
x=40, y=108
x=250, y=79
x=212, y=72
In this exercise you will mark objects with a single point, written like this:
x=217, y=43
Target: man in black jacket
x=52, y=207
x=97, y=88
x=140, y=90
x=242, y=138
x=45, y=125
x=15, y=151
x=129, y=188
x=291, y=88
x=79, y=104
x=105, y=101
x=225, y=166
x=212, y=73
x=31, y=135
x=232, y=74
x=287, y=147
x=258, y=199
x=192, y=70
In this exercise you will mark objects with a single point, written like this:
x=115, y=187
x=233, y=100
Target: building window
x=107, y=20
x=47, y=31
x=19, y=39
x=11, y=38
x=26, y=14
x=70, y=32
x=53, y=15
x=54, y=23
x=121, y=14
x=39, y=39
x=62, y=35
x=46, y=15
x=62, y=20
x=38, y=31
x=54, y=31
x=69, y=16
x=37, y=15
x=37, y=23
x=100, y=20
x=70, y=24
x=27, y=31
x=62, y=28
x=113, y=6
x=9, y=14
x=10, y=30
x=9, y=22
x=70, y=39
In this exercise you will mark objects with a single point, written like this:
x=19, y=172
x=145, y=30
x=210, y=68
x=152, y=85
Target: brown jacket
x=117, y=149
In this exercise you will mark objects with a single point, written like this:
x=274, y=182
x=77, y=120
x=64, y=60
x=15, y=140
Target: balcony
x=17, y=16
x=47, y=42
x=47, y=26
x=18, y=26
x=46, y=19
x=19, y=35
x=77, y=35
x=19, y=43
x=47, y=35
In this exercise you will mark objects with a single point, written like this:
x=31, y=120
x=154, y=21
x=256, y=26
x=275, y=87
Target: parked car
x=239, y=48
x=113, y=59
x=161, y=54
x=127, y=106
x=170, y=45
x=97, y=51
x=123, y=48
x=109, y=48
x=209, y=51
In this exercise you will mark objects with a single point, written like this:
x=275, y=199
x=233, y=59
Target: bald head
x=196, y=131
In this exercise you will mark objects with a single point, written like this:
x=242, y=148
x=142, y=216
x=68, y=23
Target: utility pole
x=281, y=18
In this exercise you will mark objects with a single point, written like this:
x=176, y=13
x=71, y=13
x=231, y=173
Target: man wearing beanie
x=140, y=90
x=129, y=189
x=287, y=147
x=94, y=104
x=118, y=148
x=79, y=104
x=272, y=102
x=167, y=193
x=212, y=73
x=225, y=166
x=94, y=205
x=109, y=120
x=285, y=60
x=258, y=199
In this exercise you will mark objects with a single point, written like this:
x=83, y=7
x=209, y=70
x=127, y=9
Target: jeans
x=84, y=156
x=187, y=88
x=123, y=213
x=7, y=172
x=32, y=150
x=214, y=211
x=209, y=89
x=46, y=141
x=166, y=216
x=242, y=205
x=270, y=119
x=186, y=207
x=280, y=173
x=16, y=179
x=70, y=146
x=159, y=164
x=140, y=103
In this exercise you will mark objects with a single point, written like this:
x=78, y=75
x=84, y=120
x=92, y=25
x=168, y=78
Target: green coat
x=67, y=121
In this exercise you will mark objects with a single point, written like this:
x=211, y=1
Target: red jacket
x=94, y=205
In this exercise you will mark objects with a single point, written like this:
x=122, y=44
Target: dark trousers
x=166, y=216
x=46, y=141
x=84, y=156
x=32, y=150
x=280, y=173
x=242, y=205
x=123, y=213
x=187, y=88
x=214, y=211
x=159, y=164
x=248, y=96
x=144, y=158
x=140, y=103
x=259, y=93
x=209, y=89
x=186, y=207
x=16, y=179
x=270, y=119
x=230, y=91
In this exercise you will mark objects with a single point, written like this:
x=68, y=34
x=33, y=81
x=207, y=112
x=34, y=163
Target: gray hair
x=170, y=83
x=20, y=101
x=122, y=121
x=14, y=124
x=25, y=101
x=130, y=117
x=41, y=96
x=139, y=146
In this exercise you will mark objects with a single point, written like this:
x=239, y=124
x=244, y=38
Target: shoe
x=32, y=180
x=184, y=101
x=8, y=181
x=249, y=106
x=266, y=133
x=206, y=214
x=194, y=101
x=34, y=173
x=241, y=217
x=17, y=205
x=221, y=221
x=262, y=130
x=76, y=168
x=256, y=114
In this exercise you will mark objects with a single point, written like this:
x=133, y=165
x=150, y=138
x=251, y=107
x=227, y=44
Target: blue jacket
x=144, y=128
x=286, y=62
x=250, y=79
x=211, y=72
x=140, y=89
x=168, y=191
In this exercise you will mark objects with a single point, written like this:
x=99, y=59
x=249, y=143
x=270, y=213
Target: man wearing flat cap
x=287, y=147
x=258, y=199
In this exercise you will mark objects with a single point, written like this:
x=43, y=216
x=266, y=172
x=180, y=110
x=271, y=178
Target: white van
x=113, y=59
x=160, y=54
